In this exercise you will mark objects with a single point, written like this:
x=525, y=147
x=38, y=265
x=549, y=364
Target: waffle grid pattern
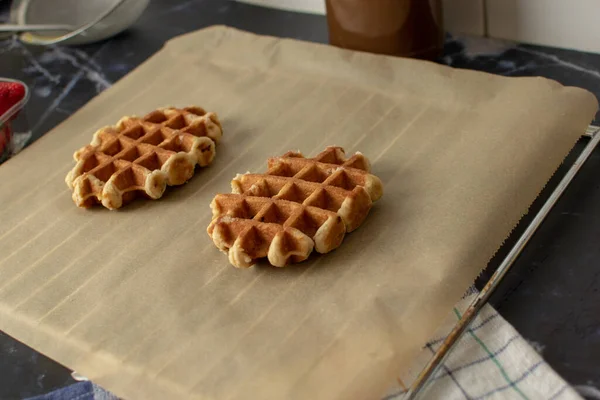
x=298, y=205
x=141, y=156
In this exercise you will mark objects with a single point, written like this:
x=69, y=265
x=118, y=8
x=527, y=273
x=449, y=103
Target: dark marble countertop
x=552, y=293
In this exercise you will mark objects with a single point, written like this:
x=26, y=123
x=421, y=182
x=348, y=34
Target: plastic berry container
x=12, y=120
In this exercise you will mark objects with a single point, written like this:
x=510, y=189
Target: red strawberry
x=10, y=94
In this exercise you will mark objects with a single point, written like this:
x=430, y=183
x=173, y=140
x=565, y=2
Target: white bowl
x=95, y=19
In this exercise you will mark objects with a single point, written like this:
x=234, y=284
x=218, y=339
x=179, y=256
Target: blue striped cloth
x=85, y=390
x=491, y=361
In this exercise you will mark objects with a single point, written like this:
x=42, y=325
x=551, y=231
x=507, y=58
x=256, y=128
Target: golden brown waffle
x=141, y=156
x=299, y=204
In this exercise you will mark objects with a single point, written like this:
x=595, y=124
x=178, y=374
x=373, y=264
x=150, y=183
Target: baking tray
x=73, y=284
x=416, y=390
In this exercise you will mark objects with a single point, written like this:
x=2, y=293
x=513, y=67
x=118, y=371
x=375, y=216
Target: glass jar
x=407, y=28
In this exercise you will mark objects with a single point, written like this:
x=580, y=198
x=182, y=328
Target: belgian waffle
x=298, y=205
x=141, y=156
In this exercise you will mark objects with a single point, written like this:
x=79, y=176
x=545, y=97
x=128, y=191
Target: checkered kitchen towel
x=491, y=361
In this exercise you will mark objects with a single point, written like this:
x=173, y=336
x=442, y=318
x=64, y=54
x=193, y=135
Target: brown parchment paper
x=140, y=301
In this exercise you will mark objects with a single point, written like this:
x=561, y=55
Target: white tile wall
x=310, y=6
x=464, y=16
x=460, y=16
x=573, y=24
